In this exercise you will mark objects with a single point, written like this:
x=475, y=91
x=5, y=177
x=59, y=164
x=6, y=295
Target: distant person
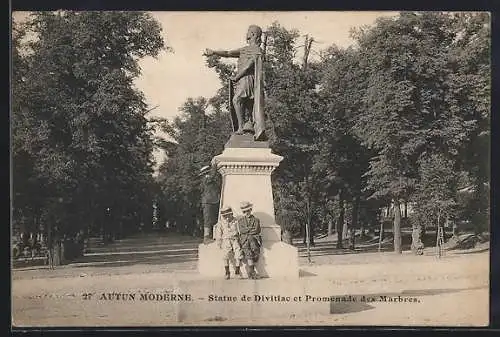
x=226, y=237
x=250, y=237
x=210, y=200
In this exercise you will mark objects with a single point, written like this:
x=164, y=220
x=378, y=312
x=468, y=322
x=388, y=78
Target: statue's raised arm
x=222, y=53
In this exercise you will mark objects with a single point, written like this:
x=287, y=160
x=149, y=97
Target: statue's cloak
x=258, y=104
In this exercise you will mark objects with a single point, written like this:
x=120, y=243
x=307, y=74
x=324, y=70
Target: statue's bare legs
x=238, y=109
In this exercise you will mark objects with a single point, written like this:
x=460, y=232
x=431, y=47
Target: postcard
x=325, y=168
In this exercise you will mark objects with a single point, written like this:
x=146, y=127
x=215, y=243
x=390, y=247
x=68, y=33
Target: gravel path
x=453, y=291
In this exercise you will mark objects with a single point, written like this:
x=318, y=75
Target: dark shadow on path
x=130, y=260
x=303, y=273
x=432, y=292
x=348, y=307
x=471, y=251
x=340, y=307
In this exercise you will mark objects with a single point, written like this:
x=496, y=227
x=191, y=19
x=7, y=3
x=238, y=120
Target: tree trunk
x=417, y=245
x=264, y=44
x=308, y=232
x=104, y=228
x=421, y=236
x=480, y=216
x=307, y=48
x=312, y=231
x=355, y=212
x=397, y=227
x=286, y=237
x=50, y=244
x=57, y=253
x=455, y=229
x=340, y=223
x=330, y=227
x=381, y=233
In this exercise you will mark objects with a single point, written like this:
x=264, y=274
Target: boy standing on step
x=227, y=238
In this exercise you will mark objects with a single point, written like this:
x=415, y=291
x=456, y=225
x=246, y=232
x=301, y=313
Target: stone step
x=225, y=300
x=277, y=259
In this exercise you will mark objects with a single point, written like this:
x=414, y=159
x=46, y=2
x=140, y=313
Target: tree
x=405, y=77
x=435, y=194
x=80, y=128
x=292, y=103
x=342, y=160
x=470, y=93
x=417, y=104
x=196, y=137
x=360, y=128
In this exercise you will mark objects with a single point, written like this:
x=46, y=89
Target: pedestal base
x=277, y=259
x=248, y=300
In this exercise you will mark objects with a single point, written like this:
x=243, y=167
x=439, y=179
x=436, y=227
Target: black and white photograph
x=253, y=168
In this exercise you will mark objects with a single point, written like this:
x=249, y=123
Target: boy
x=226, y=237
x=250, y=238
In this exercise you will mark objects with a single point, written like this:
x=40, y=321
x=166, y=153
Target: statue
x=248, y=98
x=209, y=200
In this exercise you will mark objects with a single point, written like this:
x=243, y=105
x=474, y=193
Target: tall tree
x=79, y=124
x=197, y=136
x=342, y=160
x=404, y=61
x=292, y=106
x=469, y=61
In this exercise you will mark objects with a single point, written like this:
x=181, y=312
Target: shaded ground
x=172, y=252
x=445, y=286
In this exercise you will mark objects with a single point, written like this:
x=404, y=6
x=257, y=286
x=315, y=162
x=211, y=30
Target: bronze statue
x=248, y=98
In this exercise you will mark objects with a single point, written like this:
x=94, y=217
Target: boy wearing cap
x=226, y=236
x=250, y=239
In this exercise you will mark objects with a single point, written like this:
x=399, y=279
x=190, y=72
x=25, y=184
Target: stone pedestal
x=246, y=167
x=248, y=301
x=277, y=260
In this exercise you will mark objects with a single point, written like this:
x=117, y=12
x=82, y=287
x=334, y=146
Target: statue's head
x=254, y=34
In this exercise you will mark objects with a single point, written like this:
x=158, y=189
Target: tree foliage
x=81, y=138
x=196, y=137
x=400, y=117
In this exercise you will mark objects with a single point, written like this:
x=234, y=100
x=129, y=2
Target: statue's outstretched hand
x=208, y=52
